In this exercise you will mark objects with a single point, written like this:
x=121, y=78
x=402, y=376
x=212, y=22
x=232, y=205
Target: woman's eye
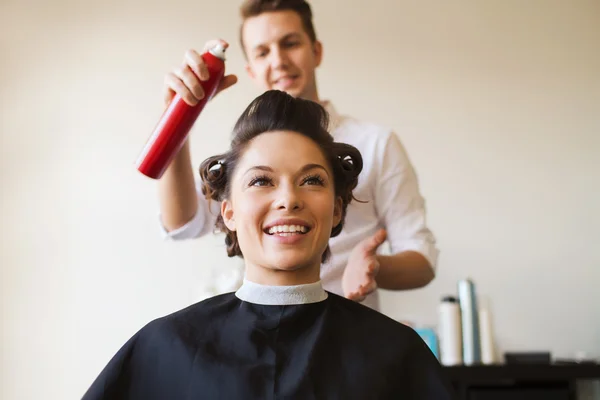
x=314, y=180
x=260, y=181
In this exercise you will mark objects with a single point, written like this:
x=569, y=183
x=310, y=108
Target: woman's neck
x=278, y=277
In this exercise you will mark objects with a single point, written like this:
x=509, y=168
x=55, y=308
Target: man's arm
x=402, y=210
x=404, y=270
x=177, y=192
x=184, y=213
x=366, y=270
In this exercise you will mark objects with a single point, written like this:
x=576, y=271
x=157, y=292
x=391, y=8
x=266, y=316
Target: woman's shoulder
x=363, y=317
x=192, y=316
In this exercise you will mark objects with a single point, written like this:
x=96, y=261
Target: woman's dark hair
x=275, y=110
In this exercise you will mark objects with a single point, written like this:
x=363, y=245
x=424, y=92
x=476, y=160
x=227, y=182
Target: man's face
x=280, y=54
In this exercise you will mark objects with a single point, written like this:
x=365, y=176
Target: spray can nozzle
x=218, y=51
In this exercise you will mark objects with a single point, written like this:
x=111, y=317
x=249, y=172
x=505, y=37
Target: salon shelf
x=520, y=381
x=536, y=372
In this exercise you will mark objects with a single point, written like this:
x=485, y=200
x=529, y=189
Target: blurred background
x=496, y=101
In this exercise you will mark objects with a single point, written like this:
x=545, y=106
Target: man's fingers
x=185, y=74
x=372, y=269
x=175, y=85
x=194, y=60
x=356, y=297
x=369, y=288
x=227, y=81
x=372, y=243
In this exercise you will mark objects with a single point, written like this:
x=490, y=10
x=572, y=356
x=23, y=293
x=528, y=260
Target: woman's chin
x=289, y=262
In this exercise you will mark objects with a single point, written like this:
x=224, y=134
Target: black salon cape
x=226, y=348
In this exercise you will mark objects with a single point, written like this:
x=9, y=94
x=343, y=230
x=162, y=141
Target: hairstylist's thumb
x=372, y=243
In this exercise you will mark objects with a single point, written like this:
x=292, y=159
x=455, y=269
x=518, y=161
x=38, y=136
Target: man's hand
x=362, y=268
x=185, y=79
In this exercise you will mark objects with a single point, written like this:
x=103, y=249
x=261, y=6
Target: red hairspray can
x=173, y=128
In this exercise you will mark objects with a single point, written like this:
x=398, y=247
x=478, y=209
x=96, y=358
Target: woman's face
x=282, y=207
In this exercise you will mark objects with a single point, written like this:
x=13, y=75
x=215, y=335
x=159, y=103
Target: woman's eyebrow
x=308, y=167
x=260, y=168
x=304, y=169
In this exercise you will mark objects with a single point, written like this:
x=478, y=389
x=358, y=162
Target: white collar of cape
x=256, y=293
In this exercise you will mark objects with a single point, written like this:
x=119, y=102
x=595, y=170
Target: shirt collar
x=335, y=119
x=281, y=295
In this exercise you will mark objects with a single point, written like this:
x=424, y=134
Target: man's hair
x=253, y=8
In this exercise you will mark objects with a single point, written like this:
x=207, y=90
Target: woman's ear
x=227, y=214
x=337, y=211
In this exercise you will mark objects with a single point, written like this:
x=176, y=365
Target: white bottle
x=449, y=331
x=488, y=353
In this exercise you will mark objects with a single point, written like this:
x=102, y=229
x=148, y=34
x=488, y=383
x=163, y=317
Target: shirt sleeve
x=201, y=224
x=399, y=203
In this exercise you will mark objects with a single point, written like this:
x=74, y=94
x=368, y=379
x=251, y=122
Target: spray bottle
x=173, y=128
x=450, y=331
x=471, y=343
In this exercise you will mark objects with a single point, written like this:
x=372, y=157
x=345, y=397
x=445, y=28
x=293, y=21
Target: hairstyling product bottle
x=467, y=299
x=173, y=127
x=450, y=331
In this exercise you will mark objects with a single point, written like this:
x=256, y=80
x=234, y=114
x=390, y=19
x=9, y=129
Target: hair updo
x=275, y=110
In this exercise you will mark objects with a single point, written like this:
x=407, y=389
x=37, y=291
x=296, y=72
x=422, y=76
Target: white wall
x=498, y=103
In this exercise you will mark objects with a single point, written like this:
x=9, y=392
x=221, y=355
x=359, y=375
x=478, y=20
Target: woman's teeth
x=287, y=230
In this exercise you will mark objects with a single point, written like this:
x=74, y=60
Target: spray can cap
x=218, y=51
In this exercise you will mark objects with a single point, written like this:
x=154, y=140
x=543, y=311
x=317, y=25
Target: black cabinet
x=520, y=381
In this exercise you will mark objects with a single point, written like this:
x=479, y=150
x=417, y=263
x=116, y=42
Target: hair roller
x=349, y=159
x=213, y=172
x=216, y=169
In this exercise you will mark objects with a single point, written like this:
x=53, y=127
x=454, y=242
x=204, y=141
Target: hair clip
x=347, y=162
x=217, y=170
x=217, y=166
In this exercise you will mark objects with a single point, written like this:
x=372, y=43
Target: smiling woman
x=284, y=187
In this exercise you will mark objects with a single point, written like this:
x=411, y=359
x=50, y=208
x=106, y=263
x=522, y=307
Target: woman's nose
x=288, y=199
